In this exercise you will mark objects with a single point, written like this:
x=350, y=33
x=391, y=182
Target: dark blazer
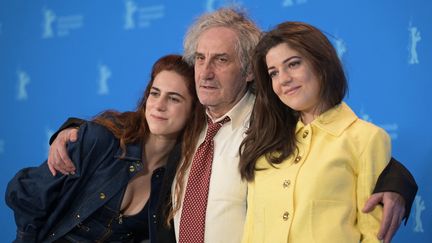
x=47, y=207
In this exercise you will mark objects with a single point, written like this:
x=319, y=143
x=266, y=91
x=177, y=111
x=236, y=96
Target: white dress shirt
x=226, y=206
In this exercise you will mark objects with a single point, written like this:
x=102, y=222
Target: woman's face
x=293, y=79
x=169, y=104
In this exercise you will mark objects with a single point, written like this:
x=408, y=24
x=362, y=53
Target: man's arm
x=396, y=190
x=396, y=178
x=58, y=158
x=69, y=123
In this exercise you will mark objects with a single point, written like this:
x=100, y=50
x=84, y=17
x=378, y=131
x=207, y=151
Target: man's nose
x=207, y=70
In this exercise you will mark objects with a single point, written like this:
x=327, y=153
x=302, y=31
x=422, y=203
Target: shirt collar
x=240, y=113
x=333, y=121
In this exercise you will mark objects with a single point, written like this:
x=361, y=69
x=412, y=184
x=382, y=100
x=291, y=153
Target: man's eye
x=222, y=59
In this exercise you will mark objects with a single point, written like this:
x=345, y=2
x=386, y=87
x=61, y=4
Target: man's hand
x=393, y=212
x=58, y=158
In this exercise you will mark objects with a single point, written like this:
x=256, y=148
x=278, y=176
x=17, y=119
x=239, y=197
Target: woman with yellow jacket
x=311, y=163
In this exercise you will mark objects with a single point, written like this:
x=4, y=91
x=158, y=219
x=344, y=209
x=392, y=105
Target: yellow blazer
x=317, y=195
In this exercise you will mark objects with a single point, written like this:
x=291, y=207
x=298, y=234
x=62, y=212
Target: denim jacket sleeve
x=38, y=199
x=32, y=195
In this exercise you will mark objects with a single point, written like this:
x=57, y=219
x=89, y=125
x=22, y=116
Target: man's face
x=219, y=80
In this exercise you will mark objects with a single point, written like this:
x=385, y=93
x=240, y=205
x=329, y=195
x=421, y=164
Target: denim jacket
x=47, y=207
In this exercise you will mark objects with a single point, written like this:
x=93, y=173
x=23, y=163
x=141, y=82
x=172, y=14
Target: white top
x=226, y=207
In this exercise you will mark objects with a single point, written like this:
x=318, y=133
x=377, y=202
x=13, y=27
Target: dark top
x=108, y=224
x=46, y=208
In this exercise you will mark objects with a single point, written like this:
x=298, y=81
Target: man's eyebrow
x=224, y=54
x=198, y=54
x=221, y=55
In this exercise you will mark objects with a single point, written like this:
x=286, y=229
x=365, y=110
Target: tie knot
x=213, y=128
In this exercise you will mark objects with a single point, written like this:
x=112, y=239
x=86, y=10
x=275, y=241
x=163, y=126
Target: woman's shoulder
x=366, y=129
x=363, y=135
x=92, y=129
x=93, y=134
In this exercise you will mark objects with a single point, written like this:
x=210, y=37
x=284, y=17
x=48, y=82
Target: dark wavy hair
x=273, y=124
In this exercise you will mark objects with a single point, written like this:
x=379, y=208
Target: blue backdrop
x=61, y=58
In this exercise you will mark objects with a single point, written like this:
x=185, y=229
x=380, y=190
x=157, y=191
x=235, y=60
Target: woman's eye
x=293, y=64
x=154, y=93
x=272, y=74
x=174, y=99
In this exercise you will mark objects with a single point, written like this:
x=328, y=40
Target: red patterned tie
x=192, y=220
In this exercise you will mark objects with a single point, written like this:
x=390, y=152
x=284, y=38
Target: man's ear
x=249, y=76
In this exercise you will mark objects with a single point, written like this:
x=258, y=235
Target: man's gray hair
x=248, y=34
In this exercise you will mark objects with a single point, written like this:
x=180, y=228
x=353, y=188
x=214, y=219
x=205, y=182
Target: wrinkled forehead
x=217, y=40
